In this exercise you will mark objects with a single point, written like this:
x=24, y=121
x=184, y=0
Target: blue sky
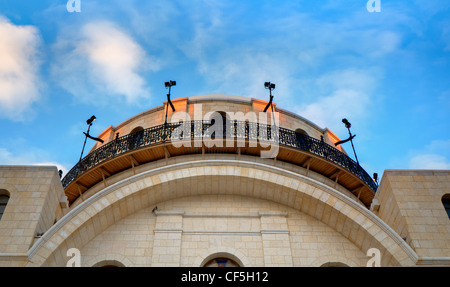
x=388, y=73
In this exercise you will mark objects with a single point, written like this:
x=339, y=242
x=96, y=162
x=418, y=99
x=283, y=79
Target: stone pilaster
x=167, y=240
x=275, y=238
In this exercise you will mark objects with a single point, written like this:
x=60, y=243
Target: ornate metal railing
x=200, y=130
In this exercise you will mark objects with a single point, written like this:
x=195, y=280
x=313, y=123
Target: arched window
x=135, y=138
x=222, y=259
x=109, y=263
x=219, y=126
x=223, y=114
x=221, y=262
x=213, y=116
x=301, y=132
x=137, y=129
x=334, y=264
x=301, y=138
x=446, y=203
x=4, y=197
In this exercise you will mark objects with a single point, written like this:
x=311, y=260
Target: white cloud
x=30, y=157
x=435, y=155
x=19, y=65
x=244, y=71
x=341, y=94
x=231, y=63
x=102, y=64
x=58, y=166
x=292, y=51
x=429, y=161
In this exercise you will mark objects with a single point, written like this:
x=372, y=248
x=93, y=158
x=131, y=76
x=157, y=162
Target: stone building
x=221, y=185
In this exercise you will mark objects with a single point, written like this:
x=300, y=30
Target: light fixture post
x=89, y=122
x=348, y=125
x=169, y=85
x=270, y=86
x=87, y=135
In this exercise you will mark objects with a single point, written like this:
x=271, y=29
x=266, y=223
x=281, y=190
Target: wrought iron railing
x=200, y=130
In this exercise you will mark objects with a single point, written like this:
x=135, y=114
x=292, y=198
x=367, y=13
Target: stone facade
x=35, y=200
x=411, y=203
x=308, y=224
x=189, y=209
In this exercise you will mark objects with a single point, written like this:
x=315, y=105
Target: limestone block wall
x=129, y=241
x=189, y=230
x=35, y=195
x=257, y=214
x=410, y=201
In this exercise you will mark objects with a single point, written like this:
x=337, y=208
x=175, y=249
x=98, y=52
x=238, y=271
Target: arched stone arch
x=305, y=194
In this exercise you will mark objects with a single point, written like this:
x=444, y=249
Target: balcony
x=245, y=137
